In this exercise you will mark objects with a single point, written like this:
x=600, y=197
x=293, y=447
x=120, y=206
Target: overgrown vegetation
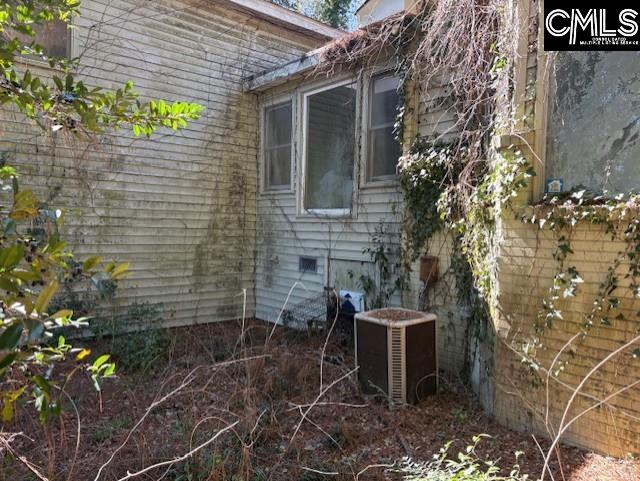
x=385, y=256
x=295, y=407
x=466, y=466
x=137, y=341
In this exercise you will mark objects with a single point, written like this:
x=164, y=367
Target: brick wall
x=525, y=273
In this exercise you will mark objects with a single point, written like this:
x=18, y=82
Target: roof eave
x=361, y=6
x=282, y=74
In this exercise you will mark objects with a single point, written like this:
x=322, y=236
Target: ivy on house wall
x=468, y=186
x=618, y=218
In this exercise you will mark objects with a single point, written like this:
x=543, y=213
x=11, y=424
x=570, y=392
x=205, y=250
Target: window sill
x=272, y=193
x=381, y=184
x=328, y=214
x=34, y=62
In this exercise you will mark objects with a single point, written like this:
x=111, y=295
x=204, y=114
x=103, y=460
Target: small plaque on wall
x=555, y=186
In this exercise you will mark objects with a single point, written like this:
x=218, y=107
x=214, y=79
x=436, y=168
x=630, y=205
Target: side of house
x=576, y=123
x=302, y=223
x=180, y=207
x=330, y=196
x=580, y=134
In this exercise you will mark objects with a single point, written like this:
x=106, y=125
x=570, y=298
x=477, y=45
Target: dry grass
x=342, y=433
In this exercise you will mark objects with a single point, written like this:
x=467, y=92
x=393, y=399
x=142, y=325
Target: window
x=277, y=147
x=54, y=37
x=593, y=128
x=329, y=150
x=383, y=148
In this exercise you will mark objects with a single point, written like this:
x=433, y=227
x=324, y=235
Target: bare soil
x=342, y=435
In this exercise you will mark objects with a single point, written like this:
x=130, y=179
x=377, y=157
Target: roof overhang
x=362, y=5
x=286, y=18
x=307, y=63
x=284, y=73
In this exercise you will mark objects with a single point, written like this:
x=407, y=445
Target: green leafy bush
x=137, y=348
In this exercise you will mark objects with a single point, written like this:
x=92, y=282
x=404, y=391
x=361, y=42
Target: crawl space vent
x=308, y=264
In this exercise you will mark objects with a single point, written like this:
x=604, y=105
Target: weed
x=380, y=288
x=107, y=430
x=204, y=466
x=139, y=349
x=460, y=415
x=466, y=466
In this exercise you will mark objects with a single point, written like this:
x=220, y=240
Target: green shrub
x=135, y=343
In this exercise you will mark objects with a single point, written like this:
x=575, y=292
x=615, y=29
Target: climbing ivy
x=430, y=176
x=384, y=255
x=423, y=178
x=618, y=218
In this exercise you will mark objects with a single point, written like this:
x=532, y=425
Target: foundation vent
x=308, y=264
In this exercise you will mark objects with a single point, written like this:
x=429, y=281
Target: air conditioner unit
x=396, y=351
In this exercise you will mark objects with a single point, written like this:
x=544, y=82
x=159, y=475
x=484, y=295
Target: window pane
x=330, y=148
x=278, y=166
x=53, y=36
x=278, y=125
x=277, y=146
x=384, y=152
x=384, y=100
x=593, y=133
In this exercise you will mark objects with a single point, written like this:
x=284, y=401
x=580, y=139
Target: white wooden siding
x=284, y=234
x=180, y=207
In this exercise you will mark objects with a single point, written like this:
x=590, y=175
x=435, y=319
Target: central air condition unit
x=396, y=351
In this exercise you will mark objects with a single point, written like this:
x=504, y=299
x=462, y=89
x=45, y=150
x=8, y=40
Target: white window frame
x=275, y=102
x=335, y=213
x=367, y=181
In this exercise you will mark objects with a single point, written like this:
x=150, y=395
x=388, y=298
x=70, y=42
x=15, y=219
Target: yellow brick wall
x=525, y=274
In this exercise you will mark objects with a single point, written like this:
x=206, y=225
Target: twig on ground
x=180, y=458
x=6, y=442
x=313, y=404
x=317, y=471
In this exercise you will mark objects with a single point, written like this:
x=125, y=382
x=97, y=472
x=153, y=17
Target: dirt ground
x=204, y=382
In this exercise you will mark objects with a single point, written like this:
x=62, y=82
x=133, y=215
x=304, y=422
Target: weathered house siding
x=525, y=273
x=284, y=234
x=181, y=207
x=434, y=118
